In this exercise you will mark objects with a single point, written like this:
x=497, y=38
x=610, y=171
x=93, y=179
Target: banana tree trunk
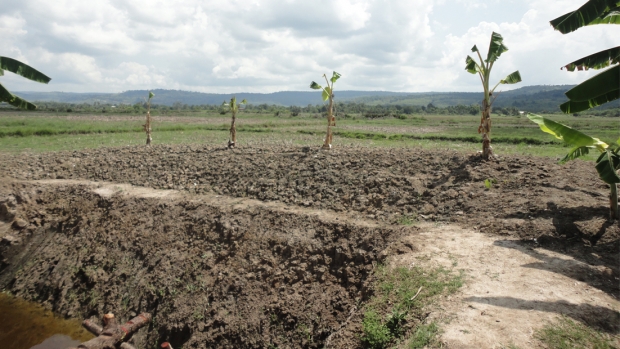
x=331, y=121
x=147, y=128
x=613, y=202
x=233, y=133
x=485, y=129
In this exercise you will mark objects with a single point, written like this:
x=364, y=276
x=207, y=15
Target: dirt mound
x=225, y=275
x=528, y=197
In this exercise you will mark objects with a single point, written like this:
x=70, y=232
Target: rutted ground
x=272, y=246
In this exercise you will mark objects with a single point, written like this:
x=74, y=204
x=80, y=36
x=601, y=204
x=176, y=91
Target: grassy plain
x=47, y=131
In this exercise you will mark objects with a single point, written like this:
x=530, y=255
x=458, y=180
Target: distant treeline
x=341, y=109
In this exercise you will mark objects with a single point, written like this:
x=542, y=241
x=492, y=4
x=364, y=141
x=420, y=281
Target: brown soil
x=275, y=246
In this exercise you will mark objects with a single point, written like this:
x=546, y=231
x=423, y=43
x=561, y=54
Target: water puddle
x=27, y=325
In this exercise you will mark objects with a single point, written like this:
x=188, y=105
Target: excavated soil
x=271, y=246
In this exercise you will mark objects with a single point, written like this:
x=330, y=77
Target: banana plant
x=234, y=108
x=147, y=125
x=328, y=94
x=605, y=86
x=24, y=70
x=483, y=69
x=607, y=164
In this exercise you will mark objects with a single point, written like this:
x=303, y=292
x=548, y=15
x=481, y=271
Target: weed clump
x=396, y=309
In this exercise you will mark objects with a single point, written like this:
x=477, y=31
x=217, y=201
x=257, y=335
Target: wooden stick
x=419, y=289
x=92, y=327
x=113, y=335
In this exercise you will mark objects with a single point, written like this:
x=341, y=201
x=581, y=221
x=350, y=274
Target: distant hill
x=532, y=98
x=169, y=97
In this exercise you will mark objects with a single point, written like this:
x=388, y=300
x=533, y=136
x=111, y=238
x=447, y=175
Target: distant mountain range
x=532, y=98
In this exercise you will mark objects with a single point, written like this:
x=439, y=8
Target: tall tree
x=328, y=94
x=24, y=70
x=605, y=86
x=483, y=69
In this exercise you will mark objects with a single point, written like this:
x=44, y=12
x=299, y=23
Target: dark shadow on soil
x=569, y=188
x=599, y=249
x=605, y=319
x=564, y=219
x=583, y=268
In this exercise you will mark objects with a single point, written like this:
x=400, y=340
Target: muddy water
x=26, y=325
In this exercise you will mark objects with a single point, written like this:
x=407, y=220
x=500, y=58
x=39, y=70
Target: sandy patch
x=511, y=288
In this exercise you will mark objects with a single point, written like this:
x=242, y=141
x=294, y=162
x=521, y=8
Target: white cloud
x=273, y=45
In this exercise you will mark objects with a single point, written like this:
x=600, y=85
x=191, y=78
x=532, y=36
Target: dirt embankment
x=529, y=197
x=214, y=274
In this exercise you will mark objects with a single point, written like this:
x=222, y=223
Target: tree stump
x=113, y=335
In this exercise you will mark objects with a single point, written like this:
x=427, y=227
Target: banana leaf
x=335, y=76
x=23, y=69
x=326, y=93
x=496, y=47
x=608, y=17
x=598, y=60
x=598, y=85
x=575, y=107
x=6, y=96
x=607, y=165
x=471, y=65
x=592, y=12
x=513, y=78
x=578, y=140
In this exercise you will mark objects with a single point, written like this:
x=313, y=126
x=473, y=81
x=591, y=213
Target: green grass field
x=40, y=132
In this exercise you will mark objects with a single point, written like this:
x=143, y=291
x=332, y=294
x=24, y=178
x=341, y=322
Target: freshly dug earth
x=270, y=246
x=214, y=273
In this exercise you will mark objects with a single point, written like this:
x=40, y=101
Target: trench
x=214, y=272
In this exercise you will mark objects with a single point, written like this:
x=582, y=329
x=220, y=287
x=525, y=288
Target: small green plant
x=328, y=94
x=24, y=70
x=401, y=294
x=423, y=336
x=408, y=219
x=147, y=125
x=488, y=183
x=376, y=334
x=483, y=69
x=234, y=109
x=198, y=314
x=568, y=334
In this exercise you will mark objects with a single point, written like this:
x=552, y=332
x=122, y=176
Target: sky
x=282, y=45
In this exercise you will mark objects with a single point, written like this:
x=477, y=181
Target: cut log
x=112, y=335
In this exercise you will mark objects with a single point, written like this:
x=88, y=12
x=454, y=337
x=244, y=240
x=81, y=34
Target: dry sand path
x=511, y=288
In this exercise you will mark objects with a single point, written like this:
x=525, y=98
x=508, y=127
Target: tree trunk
x=331, y=121
x=613, y=202
x=233, y=133
x=112, y=335
x=147, y=128
x=485, y=129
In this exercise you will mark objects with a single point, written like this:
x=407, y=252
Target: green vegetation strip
x=396, y=310
x=465, y=139
x=26, y=132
